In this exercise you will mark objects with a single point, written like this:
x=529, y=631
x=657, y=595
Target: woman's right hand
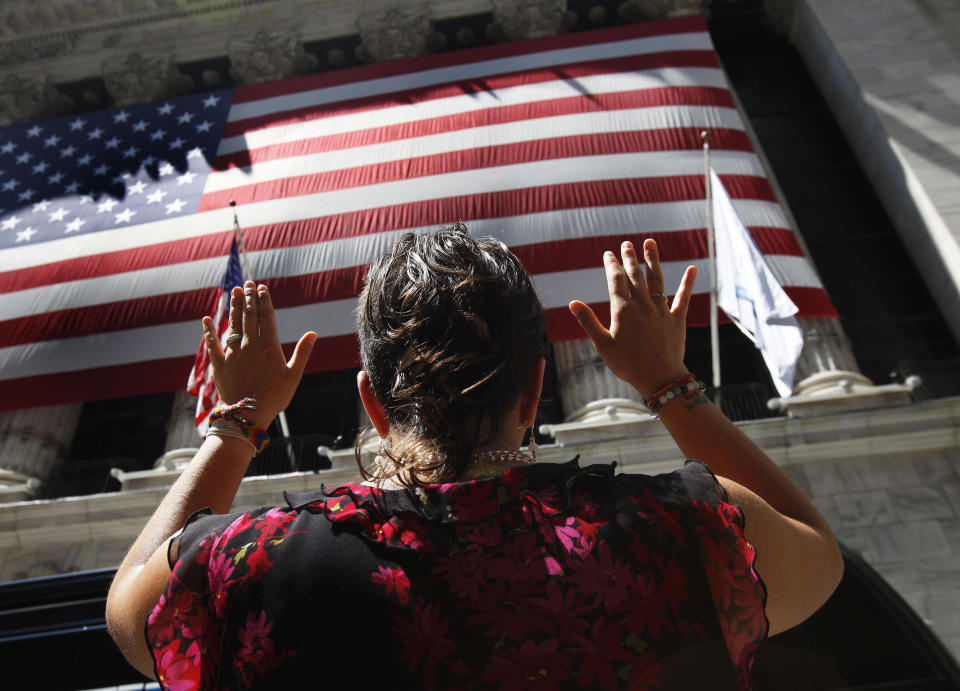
x=645, y=343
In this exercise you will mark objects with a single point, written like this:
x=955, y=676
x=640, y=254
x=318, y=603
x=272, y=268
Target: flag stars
x=139, y=125
x=175, y=206
x=95, y=133
x=74, y=225
x=68, y=151
x=195, y=152
x=34, y=131
x=84, y=160
x=125, y=216
x=41, y=206
x=204, y=126
x=165, y=169
x=8, y=148
x=106, y=206
x=165, y=109
x=121, y=116
x=185, y=118
x=120, y=177
x=137, y=188
x=77, y=124
x=112, y=143
x=211, y=101
x=101, y=169
x=58, y=215
x=24, y=157
x=149, y=160
x=41, y=167
x=10, y=185
x=130, y=152
x=156, y=196
x=72, y=187
x=177, y=143
x=25, y=195
x=87, y=199
x=10, y=223
x=186, y=178
x=25, y=234
x=158, y=135
x=52, y=140
x=56, y=178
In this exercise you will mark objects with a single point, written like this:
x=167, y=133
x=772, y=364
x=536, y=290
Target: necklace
x=485, y=463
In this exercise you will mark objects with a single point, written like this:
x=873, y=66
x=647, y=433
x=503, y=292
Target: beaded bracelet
x=257, y=436
x=672, y=390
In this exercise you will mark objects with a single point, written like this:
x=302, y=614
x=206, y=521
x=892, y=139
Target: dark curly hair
x=449, y=328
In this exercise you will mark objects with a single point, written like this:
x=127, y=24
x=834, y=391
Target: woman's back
x=544, y=577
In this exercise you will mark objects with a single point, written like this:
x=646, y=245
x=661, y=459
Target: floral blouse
x=546, y=577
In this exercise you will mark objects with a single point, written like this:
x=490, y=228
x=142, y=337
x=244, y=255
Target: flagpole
x=712, y=257
x=248, y=276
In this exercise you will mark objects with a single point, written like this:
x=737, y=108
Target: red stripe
x=413, y=215
x=155, y=376
x=604, y=143
x=393, y=68
x=643, y=98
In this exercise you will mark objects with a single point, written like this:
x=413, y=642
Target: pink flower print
x=475, y=501
x=573, y=538
x=604, y=577
x=648, y=608
x=531, y=667
x=600, y=651
x=582, y=504
x=218, y=576
x=667, y=521
x=425, y=645
x=253, y=636
x=396, y=582
x=463, y=572
x=177, y=672
x=258, y=562
x=275, y=521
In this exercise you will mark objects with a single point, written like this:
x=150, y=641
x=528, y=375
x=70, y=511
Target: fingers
x=251, y=318
x=301, y=354
x=633, y=269
x=681, y=302
x=214, y=348
x=651, y=255
x=617, y=284
x=235, y=318
x=590, y=324
x=268, y=318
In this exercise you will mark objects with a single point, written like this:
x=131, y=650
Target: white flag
x=750, y=294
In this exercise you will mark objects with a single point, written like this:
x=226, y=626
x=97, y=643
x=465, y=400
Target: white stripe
x=331, y=318
x=576, y=124
x=471, y=102
x=474, y=70
x=469, y=182
x=360, y=250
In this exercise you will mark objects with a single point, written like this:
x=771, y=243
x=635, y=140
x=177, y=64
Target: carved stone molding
x=647, y=10
x=400, y=32
x=142, y=79
x=24, y=99
x=267, y=56
x=33, y=442
x=522, y=19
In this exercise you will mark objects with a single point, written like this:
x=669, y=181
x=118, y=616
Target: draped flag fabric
x=115, y=225
x=751, y=296
x=200, y=382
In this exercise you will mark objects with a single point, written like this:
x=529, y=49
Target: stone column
x=181, y=430
x=34, y=441
x=268, y=56
x=141, y=79
x=30, y=97
x=588, y=388
x=401, y=32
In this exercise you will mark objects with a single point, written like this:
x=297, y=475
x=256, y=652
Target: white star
x=25, y=234
x=34, y=131
x=148, y=160
x=137, y=188
x=165, y=169
x=68, y=150
x=74, y=225
x=58, y=215
x=125, y=216
x=41, y=206
x=210, y=101
x=130, y=152
x=158, y=134
x=177, y=143
x=77, y=124
x=24, y=157
x=84, y=160
x=156, y=196
x=185, y=118
x=186, y=178
x=8, y=148
x=112, y=143
x=106, y=206
x=101, y=169
x=95, y=133
x=204, y=126
x=72, y=187
x=25, y=195
x=175, y=206
x=165, y=109
x=41, y=167
x=139, y=125
x=87, y=199
x=120, y=177
x=10, y=223
x=55, y=178
x=52, y=140
x=9, y=185
x=195, y=152
x=121, y=116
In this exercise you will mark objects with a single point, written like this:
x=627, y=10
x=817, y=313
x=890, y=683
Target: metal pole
x=248, y=276
x=712, y=258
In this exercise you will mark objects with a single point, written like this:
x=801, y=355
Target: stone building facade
x=885, y=471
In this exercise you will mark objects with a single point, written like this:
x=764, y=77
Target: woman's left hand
x=254, y=365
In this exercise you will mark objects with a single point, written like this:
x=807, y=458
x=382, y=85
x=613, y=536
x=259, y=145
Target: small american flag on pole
x=200, y=382
x=115, y=225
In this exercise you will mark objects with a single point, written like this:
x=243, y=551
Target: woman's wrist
x=656, y=384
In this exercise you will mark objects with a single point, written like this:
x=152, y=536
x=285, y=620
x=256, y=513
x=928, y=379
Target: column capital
x=648, y=10
x=25, y=98
x=141, y=79
x=400, y=32
x=267, y=56
x=523, y=19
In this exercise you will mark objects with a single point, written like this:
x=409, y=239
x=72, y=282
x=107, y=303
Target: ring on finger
x=658, y=295
x=233, y=339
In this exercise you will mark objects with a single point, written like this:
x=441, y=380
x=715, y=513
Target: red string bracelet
x=257, y=436
x=677, y=387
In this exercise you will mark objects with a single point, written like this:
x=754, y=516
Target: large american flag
x=115, y=226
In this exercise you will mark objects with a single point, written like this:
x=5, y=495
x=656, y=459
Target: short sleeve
x=738, y=592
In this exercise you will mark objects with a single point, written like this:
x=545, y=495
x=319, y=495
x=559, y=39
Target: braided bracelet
x=256, y=436
x=675, y=388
